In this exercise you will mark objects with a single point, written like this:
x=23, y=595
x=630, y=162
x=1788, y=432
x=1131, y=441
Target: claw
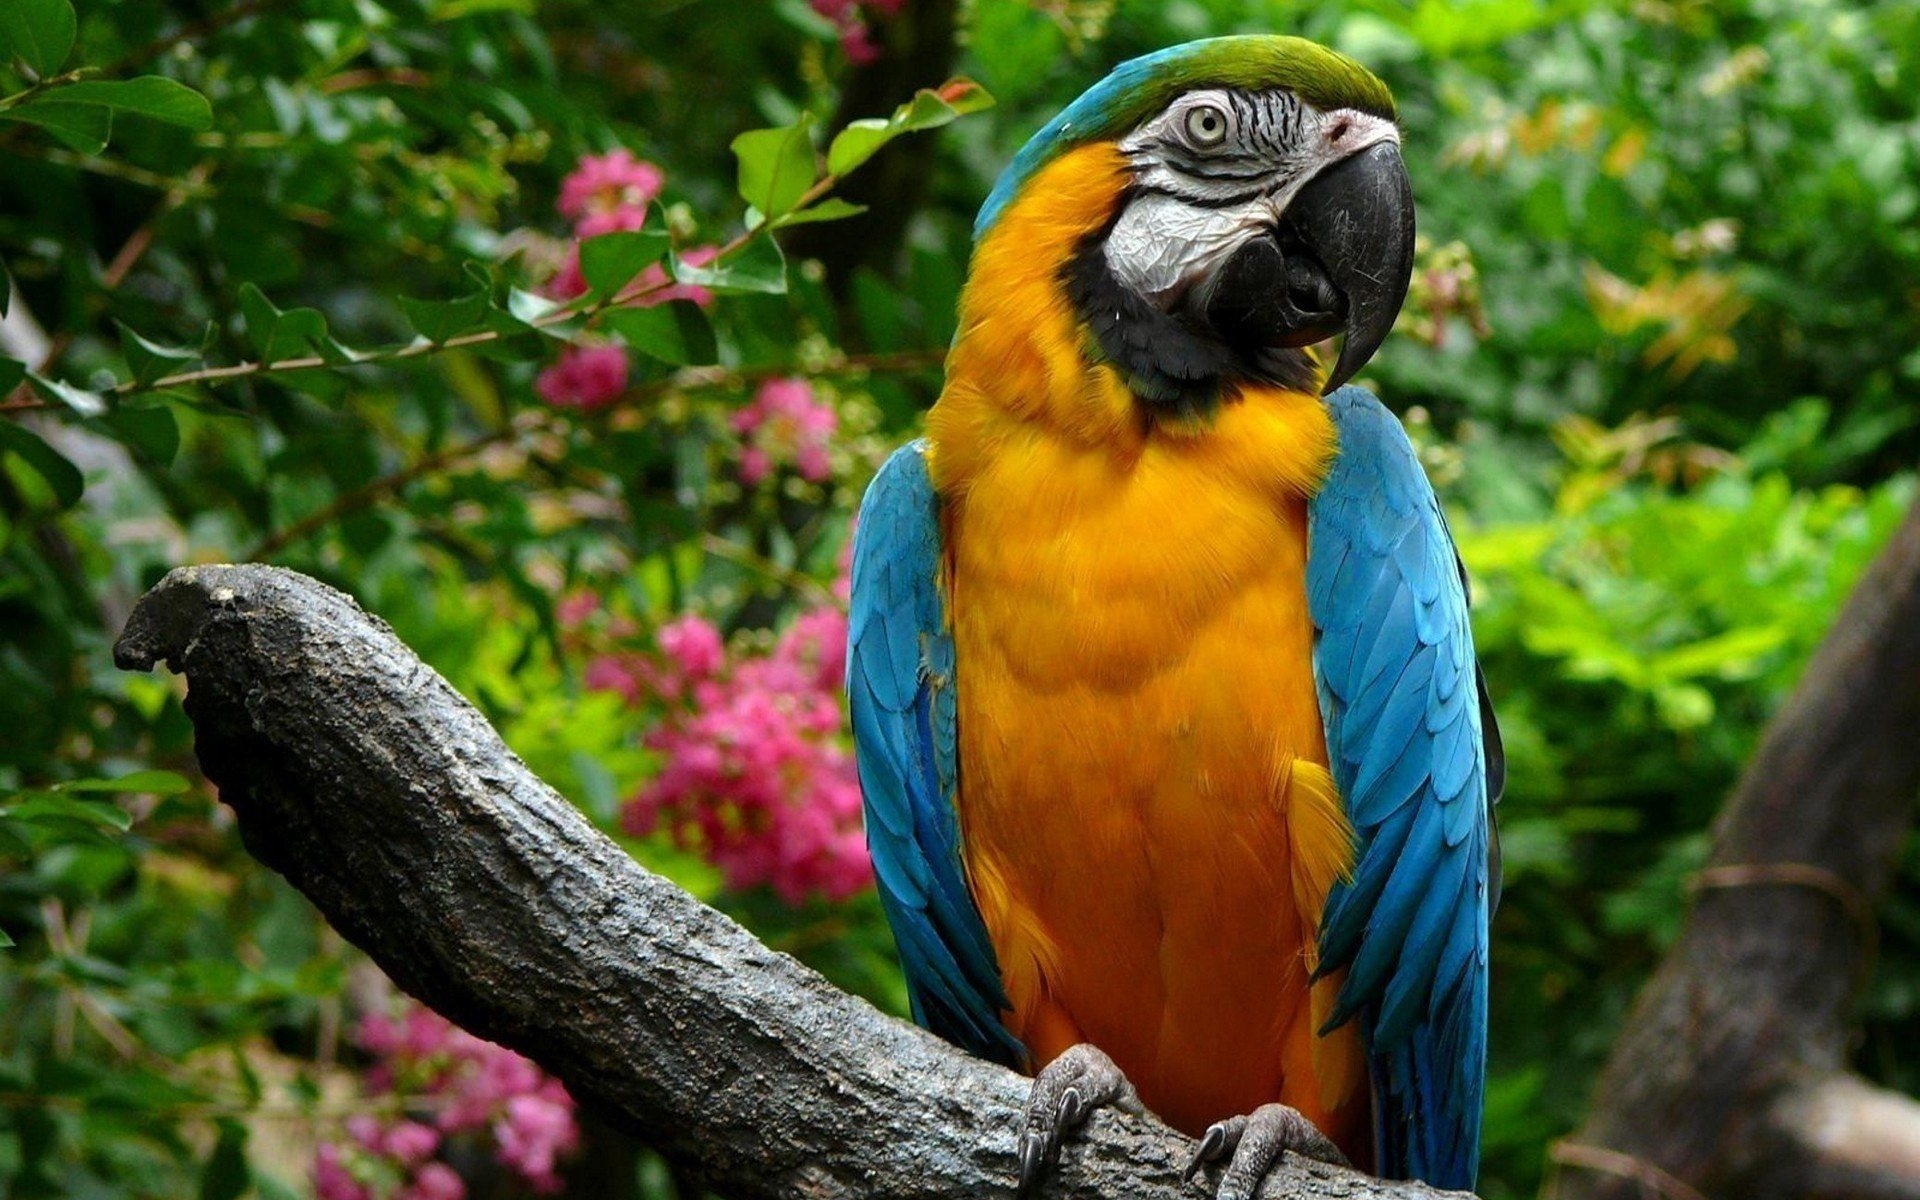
x=1033, y=1161
x=1254, y=1144
x=1064, y=1094
x=1213, y=1144
x=1073, y=1108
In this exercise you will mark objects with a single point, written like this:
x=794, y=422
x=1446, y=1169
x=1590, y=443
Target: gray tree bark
x=364, y=778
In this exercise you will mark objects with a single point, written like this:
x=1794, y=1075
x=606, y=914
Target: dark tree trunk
x=1731, y=1075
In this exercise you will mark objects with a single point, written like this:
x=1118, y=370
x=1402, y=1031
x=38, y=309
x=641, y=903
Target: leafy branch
x=779, y=177
x=391, y=484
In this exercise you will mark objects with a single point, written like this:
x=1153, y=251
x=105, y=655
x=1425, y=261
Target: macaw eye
x=1206, y=126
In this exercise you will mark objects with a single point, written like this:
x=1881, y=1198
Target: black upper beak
x=1340, y=262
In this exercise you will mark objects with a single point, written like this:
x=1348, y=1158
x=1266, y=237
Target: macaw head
x=1253, y=202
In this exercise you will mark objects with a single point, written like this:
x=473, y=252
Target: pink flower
x=436, y=1181
x=694, y=646
x=411, y=1143
x=785, y=424
x=608, y=182
x=425, y=1033
x=576, y=608
x=364, y=1130
x=465, y=1086
x=332, y=1180
x=854, y=26
x=568, y=281
x=856, y=42
x=655, y=279
x=536, y=1131
x=756, y=773
x=378, y=1034
x=619, y=220
x=584, y=377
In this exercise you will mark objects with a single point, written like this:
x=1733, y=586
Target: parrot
x=1178, y=766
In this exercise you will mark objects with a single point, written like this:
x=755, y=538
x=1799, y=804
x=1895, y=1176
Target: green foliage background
x=1662, y=359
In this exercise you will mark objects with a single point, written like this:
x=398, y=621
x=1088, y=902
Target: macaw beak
x=1339, y=263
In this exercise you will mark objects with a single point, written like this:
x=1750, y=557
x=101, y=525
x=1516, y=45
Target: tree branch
x=359, y=774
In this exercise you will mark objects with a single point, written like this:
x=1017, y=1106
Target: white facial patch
x=1162, y=245
x=1216, y=169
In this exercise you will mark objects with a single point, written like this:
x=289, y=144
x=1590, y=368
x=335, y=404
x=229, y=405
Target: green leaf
x=38, y=32
x=529, y=307
x=146, y=783
x=6, y=943
x=48, y=808
x=611, y=261
x=438, y=320
x=757, y=267
x=11, y=372
x=62, y=476
x=930, y=108
x=149, y=360
x=676, y=333
x=776, y=166
x=453, y=10
x=79, y=399
x=152, y=96
x=857, y=143
x=278, y=335
x=149, y=429
x=84, y=128
x=227, y=1176
x=830, y=209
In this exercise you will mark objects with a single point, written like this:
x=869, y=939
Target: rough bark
x=360, y=775
x=1731, y=1073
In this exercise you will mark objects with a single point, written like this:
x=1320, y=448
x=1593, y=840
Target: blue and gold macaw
x=1178, y=768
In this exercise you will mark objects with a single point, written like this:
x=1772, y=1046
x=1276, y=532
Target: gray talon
x=1064, y=1094
x=1254, y=1145
x=1073, y=1109
x=1033, y=1155
x=1213, y=1144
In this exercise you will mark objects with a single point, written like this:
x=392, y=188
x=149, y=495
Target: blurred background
x=1660, y=357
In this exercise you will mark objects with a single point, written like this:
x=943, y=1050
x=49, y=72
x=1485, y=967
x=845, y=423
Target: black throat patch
x=1177, y=366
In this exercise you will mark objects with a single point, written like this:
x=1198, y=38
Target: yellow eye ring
x=1206, y=126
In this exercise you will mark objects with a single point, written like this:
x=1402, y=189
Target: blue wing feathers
x=1408, y=742
x=900, y=689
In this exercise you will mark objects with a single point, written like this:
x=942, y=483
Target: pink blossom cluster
x=608, y=193
x=756, y=776
x=852, y=18
x=785, y=423
x=584, y=377
x=457, y=1086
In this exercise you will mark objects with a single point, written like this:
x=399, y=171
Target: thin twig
x=391, y=484
x=761, y=565
x=22, y=400
x=375, y=490
x=124, y=260
x=690, y=379
x=192, y=31
x=51, y=82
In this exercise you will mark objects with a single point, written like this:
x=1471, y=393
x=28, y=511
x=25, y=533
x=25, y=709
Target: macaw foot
x=1253, y=1146
x=1065, y=1093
